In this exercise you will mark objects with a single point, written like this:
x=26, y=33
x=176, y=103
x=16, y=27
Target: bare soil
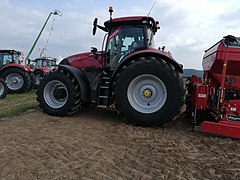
x=97, y=144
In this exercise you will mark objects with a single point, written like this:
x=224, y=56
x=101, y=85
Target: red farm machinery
x=143, y=83
x=214, y=101
x=42, y=66
x=19, y=78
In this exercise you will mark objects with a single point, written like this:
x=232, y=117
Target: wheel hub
x=147, y=93
x=15, y=81
x=55, y=94
x=60, y=93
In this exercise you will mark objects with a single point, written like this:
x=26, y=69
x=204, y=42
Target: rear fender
x=81, y=78
x=17, y=66
x=28, y=69
x=147, y=53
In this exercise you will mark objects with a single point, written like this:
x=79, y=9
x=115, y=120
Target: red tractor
x=215, y=101
x=18, y=77
x=42, y=66
x=143, y=83
x=3, y=89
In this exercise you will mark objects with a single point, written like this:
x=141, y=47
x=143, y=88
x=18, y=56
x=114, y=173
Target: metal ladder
x=104, y=92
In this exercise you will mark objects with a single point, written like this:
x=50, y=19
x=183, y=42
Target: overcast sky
x=188, y=27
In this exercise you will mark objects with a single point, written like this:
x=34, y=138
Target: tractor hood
x=82, y=60
x=79, y=57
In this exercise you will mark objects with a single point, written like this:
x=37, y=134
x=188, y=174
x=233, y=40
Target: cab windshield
x=6, y=58
x=122, y=41
x=44, y=63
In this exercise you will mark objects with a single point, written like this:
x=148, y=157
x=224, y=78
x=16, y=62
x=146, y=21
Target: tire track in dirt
x=96, y=144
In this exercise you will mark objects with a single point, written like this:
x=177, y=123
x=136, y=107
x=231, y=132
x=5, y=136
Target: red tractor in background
x=214, y=101
x=19, y=78
x=42, y=66
x=143, y=83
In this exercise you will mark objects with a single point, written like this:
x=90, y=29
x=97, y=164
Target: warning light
x=110, y=9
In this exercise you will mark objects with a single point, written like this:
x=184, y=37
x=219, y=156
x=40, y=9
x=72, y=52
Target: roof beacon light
x=110, y=11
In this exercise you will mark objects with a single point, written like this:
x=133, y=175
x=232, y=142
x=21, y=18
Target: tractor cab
x=46, y=62
x=126, y=35
x=9, y=57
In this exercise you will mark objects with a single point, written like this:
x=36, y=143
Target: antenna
x=152, y=7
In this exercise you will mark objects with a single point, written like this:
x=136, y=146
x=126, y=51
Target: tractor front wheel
x=149, y=92
x=3, y=89
x=59, y=94
x=17, y=80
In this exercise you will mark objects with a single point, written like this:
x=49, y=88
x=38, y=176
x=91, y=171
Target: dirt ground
x=96, y=144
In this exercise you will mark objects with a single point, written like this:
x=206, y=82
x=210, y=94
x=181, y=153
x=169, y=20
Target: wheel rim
x=1, y=88
x=38, y=78
x=14, y=81
x=55, y=94
x=147, y=93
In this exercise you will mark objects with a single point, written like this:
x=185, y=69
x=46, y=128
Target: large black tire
x=149, y=92
x=3, y=89
x=32, y=79
x=17, y=80
x=59, y=94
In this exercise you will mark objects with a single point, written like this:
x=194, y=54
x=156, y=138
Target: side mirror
x=95, y=25
x=93, y=50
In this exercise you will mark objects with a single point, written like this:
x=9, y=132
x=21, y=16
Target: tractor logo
x=233, y=118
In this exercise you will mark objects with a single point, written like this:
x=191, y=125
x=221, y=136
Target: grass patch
x=15, y=104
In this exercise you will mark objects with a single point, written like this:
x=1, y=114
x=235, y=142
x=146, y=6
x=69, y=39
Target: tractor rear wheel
x=59, y=94
x=149, y=93
x=3, y=89
x=17, y=80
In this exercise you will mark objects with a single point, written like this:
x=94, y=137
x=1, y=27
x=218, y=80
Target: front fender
x=147, y=53
x=166, y=56
x=81, y=78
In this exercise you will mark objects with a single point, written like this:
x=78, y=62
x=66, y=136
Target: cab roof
x=10, y=51
x=46, y=58
x=132, y=20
